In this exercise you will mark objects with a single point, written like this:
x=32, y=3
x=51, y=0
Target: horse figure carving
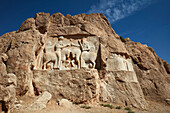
x=49, y=56
x=65, y=54
x=75, y=53
x=88, y=58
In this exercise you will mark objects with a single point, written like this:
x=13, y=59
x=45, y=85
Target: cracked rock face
x=8, y=83
x=82, y=59
x=152, y=71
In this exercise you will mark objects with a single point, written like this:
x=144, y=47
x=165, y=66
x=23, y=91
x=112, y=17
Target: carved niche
x=66, y=53
x=117, y=62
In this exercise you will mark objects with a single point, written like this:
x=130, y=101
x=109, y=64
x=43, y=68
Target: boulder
x=65, y=103
x=41, y=102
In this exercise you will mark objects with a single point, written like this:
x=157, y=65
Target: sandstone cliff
x=152, y=71
x=82, y=59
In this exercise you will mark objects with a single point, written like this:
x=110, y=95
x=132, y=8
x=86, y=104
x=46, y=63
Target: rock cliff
x=152, y=72
x=82, y=59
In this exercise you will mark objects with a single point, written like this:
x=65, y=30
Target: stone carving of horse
x=88, y=57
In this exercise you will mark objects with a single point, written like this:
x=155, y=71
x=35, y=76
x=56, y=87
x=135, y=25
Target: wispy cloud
x=118, y=9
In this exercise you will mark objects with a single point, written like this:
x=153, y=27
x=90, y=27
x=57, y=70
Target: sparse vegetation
x=122, y=39
x=118, y=107
x=130, y=111
x=86, y=107
x=127, y=108
x=107, y=105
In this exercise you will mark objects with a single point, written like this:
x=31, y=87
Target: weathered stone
x=41, y=102
x=65, y=103
x=116, y=62
x=3, y=58
x=77, y=86
x=167, y=101
x=66, y=30
x=121, y=87
x=43, y=61
x=8, y=83
x=42, y=22
x=28, y=24
x=7, y=92
x=152, y=71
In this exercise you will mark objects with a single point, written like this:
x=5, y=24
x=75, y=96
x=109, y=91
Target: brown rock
x=110, y=76
x=152, y=72
x=77, y=86
x=3, y=58
x=8, y=84
x=67, y=30
x=28, y=24
x=42, y=21
x=65, y=103
x=41, y=102
x=122, y=87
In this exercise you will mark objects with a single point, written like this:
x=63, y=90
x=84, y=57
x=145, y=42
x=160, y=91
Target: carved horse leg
x=68, y=62
x=58, y=60
x=45, y=65
x=78, y=61
x=52, y=66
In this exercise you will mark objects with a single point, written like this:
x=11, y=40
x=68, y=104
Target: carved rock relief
x=118, y=62
x=65, y=54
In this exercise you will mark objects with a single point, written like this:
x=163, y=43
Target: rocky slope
x=88, y=64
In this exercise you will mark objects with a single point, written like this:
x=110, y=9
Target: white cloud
x=118, y=9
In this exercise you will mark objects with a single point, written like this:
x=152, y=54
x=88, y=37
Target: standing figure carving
x=49, y=56
x=58, y=51
x=87, y=58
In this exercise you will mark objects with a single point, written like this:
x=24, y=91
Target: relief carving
x=66, y=54
x=49, y=57
x=87, y=58
x=118, y=62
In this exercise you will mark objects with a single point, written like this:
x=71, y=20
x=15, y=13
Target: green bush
x=118, y=107
x=86, y=107
x=107, y=105
x=127, y=108
x=130, y=111
x=122, y=39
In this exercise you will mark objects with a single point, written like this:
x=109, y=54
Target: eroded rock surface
x=82, y=59
x=78, y=86
x=65, y=103
x=122, y=87
x=8, y=83
x=152, y=71
x=41, y=102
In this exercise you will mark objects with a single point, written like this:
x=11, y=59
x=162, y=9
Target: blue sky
x=145, y=21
